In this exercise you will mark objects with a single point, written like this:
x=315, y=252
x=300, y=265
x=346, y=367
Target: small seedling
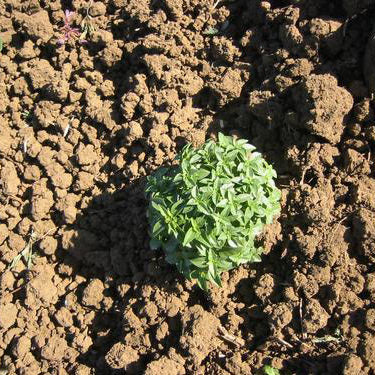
x=210, y=31
x=69, y=32
x=1, y=44
x=207, y=212
x=26, y=253
x=87, y=25
x=27, y=116
x=337, y=337
x=269, y=370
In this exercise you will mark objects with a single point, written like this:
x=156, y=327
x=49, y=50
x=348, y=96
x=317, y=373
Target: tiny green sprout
x=1, y=44
x=269, y=370
x=206, y=212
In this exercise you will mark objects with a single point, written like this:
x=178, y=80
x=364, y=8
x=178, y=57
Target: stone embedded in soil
x=322, y=106
x=200, y=330
x=165, y=366
x=8, y=315
x=123, y=357
x=315, y=316
x=93, y=293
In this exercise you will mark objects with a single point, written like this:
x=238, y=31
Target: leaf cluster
x=269, y=370
x=206, y=212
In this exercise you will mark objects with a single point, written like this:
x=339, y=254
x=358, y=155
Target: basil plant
x=206, y=212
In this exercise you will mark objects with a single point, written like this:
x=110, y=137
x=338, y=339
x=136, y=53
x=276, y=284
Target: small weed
x=86, y=25
x=337, y=337
x=26, y=253
x=69, y=32
x=269, y=370
x=27, y=116
x=210, y=31
x=1, y=44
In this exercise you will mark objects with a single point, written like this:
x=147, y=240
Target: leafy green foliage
x=207, y=211
x=269, y=370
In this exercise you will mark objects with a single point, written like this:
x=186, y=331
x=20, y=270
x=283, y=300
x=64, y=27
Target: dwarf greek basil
x=206, y=212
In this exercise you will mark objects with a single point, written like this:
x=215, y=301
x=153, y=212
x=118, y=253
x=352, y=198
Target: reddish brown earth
x=82, y=125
